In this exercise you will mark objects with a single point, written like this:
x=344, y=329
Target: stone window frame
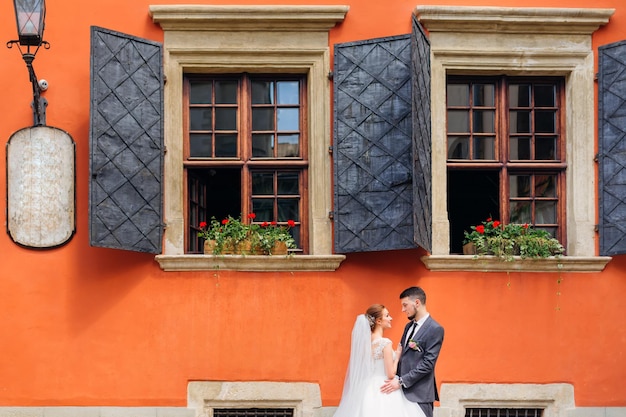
x=525, y=42
x=554, y=399
x=204, y=396
x=229, y=39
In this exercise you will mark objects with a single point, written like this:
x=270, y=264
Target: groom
x=421, y=343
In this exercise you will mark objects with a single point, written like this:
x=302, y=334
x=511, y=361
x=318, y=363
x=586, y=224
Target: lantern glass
x=30, y=15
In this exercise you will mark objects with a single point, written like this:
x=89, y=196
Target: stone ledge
x=494, y=264
x=257, y=263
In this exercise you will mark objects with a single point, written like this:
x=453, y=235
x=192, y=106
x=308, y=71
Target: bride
x=372, y=361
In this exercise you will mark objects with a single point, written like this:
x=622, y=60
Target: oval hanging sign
x=41, y=187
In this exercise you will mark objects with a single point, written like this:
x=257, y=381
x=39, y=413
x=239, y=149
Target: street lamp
x=30, y=16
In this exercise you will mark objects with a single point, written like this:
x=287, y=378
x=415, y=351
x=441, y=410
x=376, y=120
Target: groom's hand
x=390, y=386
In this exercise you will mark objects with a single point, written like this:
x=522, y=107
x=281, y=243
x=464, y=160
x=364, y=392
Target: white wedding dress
x=377, y=404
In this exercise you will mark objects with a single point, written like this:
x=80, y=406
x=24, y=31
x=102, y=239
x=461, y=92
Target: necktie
x=411, y=332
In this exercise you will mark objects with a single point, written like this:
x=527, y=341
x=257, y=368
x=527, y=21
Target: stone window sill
x=249, y=262
x=494, y=264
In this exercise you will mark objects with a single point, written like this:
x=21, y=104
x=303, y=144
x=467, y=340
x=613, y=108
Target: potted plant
x=506, y=241
x=233, y=236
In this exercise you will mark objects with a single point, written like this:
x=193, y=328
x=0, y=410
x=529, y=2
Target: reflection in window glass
x=520, y=185
x=458, y=95
x=262, y=145
x=225, y=145
x=458, y=147
x=264, y=209
x=484, y=121
x=520, y=148
x=262, y=119
x=200, y=92
x=288, y=92
x=263, y=183
x=458, y=121
x=226, y=92
x=287, y=209
x=200, y=119
x=485, y=147
x=288, y=183
x=262, y=92
x=200, y=145
x=484, y=95
x=519, y=95
x=288, y=119
x=288, y=146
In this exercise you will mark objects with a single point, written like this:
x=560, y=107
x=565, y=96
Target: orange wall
x=90, y=326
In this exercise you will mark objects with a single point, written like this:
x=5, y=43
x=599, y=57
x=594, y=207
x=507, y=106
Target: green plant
x=506, y=241
x=234, y=235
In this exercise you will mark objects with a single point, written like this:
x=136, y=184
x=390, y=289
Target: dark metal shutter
x=612, y=147
x=126, y=142
x=422, y=194
x=373, y=207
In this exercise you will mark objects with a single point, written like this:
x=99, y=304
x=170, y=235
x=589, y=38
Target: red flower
x=480, y=229
x=488, y=219
x=273, y=223
x=202, y=225
x=291, y=223
x=265, y=224
x=496, y=223
x=525, y=225
x=225, y=221
x=251, y=216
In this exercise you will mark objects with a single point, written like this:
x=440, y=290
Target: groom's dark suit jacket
x=417, y=366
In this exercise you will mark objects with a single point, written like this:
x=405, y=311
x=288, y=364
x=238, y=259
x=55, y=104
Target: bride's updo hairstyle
x=373, y=313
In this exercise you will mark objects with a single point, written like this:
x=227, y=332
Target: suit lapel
x=423, y=328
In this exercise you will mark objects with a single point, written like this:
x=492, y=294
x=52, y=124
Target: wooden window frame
x=244, y=159
x=502, y=163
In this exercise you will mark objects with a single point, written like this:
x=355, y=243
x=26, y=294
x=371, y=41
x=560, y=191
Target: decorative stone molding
x=249, y=262
x=494, y=264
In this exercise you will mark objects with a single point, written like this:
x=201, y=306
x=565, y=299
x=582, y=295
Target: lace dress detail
x=377, y=347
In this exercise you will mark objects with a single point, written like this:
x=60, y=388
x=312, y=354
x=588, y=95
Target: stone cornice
x=512, y=19
x=239, y=17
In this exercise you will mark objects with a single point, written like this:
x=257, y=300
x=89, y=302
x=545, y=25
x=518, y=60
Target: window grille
x=503, y=412
x=253, y=412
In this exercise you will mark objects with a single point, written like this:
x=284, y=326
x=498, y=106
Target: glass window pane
x=262, y=146
x=226, y=92
x=545, y=212
x=200, y=146
x=545, y=186
x=263, y=208
x=519, y=148
x=485, y=148
x=288, y=183
x=545, y=148
x=458, y=94
x=200, y=119
x=458, y=121
x=545, y=121
x=519, y=95
x=288, y=92
x=519, y=185
x=262, y=119
x=484, y=95
x=287, y=209
x=225, y=119
x=484, y=121
x=200, y=92
x=225, y=145
x=288, y=119
x=545, y=96
x=520, y=212
x=519, y=122
x=288, y=146
x=262, y=92
x=263, y=183
x=458, y=147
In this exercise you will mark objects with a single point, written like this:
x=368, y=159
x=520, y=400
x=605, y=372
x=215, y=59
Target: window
x=245, y=151
x=247, y=43
x=505, y=153
x=501, y=44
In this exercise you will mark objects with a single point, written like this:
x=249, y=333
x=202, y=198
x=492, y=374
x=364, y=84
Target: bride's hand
x=399, y=350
